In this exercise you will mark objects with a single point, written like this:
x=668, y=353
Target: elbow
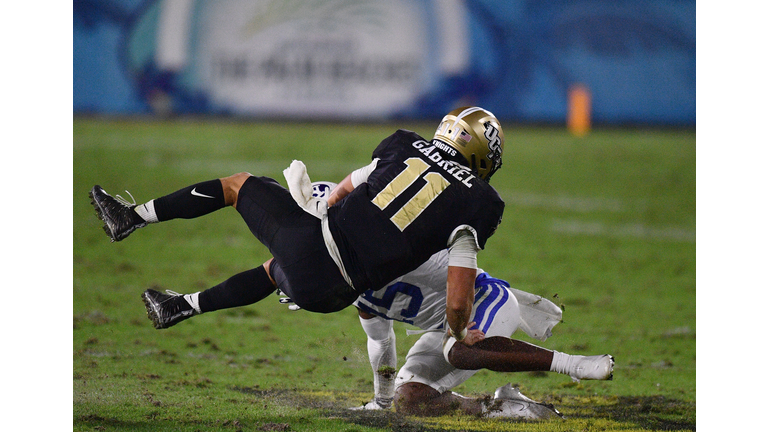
x=455, y=307
x=458, y=307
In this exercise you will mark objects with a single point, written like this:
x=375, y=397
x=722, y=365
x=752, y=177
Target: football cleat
x=476, y=134
x=599, y=367
x=166, y=310
x=117, y=214
x=521, y=409
x=374, y=405
x=509, y=392
x=508, y=402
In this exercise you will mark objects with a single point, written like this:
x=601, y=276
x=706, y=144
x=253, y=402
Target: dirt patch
x=649, y=412
x=644, y=413
x=279, y=427
x=330, y=409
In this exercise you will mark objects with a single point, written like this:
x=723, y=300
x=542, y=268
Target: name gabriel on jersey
x=458, y=171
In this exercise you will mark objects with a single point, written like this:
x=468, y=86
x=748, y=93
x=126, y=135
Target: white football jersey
x=417, y=298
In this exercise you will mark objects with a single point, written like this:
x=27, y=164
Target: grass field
x=604, y=225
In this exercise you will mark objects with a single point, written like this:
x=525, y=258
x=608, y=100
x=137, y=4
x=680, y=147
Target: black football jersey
x=408, y=208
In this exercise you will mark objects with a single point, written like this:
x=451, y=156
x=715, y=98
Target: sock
x=147, y=212
x=187, y=203
x=561, y=363
x=193, y=301
x=241, y=289
x=383, y=357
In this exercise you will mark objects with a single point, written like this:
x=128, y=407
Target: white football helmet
x=476, y=134
x=322, y=189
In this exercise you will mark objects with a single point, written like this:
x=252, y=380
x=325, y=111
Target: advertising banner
x=370, y=59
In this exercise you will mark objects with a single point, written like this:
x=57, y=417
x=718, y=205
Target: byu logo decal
x=321, y=190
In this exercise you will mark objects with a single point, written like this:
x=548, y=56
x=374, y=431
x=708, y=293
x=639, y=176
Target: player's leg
x=304, y=269
x=170, y=308
x=427, y=376
x=422, y=385
x=121, y=218
x=415, y=398
x=382, y=355
x=499, y=353
x=425, y=381
x=242, y=289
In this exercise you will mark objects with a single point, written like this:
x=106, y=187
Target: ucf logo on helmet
x=494, y=142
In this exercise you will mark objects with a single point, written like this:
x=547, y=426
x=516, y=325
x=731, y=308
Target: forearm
x=341, y=190
x=461, y=284
x=462, y=270
x=351, y=181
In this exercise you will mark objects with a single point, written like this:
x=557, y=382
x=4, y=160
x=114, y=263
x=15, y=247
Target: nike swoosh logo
x=196, y=193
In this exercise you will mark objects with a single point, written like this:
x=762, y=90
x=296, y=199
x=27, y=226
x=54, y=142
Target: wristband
x=459, y=337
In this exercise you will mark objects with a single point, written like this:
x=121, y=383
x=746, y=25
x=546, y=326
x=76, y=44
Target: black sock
x=191, y=202
x=241, y=289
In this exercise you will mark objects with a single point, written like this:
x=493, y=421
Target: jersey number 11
x=415, y=169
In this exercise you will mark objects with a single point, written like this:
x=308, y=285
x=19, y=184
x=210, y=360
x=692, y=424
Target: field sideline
x=604, y=225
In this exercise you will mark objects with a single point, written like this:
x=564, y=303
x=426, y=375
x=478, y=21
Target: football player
x=416, y=198
x=436, y=363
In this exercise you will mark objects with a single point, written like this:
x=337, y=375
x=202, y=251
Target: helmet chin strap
x=493, y=170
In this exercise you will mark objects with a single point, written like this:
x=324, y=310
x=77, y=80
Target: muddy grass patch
x=329, y=406
x=653, y=413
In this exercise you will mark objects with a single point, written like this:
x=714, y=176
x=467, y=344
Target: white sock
x=384, y=387
x=147, y=212
x=561, y=363
x=382, y=354
x=193, y=301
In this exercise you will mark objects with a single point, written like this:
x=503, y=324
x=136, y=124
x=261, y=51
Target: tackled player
x=384, y=220
x=436, y=363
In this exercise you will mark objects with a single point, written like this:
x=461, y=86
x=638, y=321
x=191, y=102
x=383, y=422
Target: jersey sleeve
x=463, y=247
x=487, y=219
x=360, y=175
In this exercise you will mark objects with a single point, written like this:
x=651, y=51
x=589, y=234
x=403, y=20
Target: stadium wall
x=373, y=60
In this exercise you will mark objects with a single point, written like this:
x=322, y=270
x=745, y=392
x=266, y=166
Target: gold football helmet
x=476, y=134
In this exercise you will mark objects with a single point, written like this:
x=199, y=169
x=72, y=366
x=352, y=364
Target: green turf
x=604, y=225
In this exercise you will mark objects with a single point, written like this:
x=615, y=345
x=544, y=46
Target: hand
x=473, y=336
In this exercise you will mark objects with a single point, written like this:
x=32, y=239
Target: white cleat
x=503, y=408
x=373, y=405
x=599, y=367
x=508, y=402
x=509, y=392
